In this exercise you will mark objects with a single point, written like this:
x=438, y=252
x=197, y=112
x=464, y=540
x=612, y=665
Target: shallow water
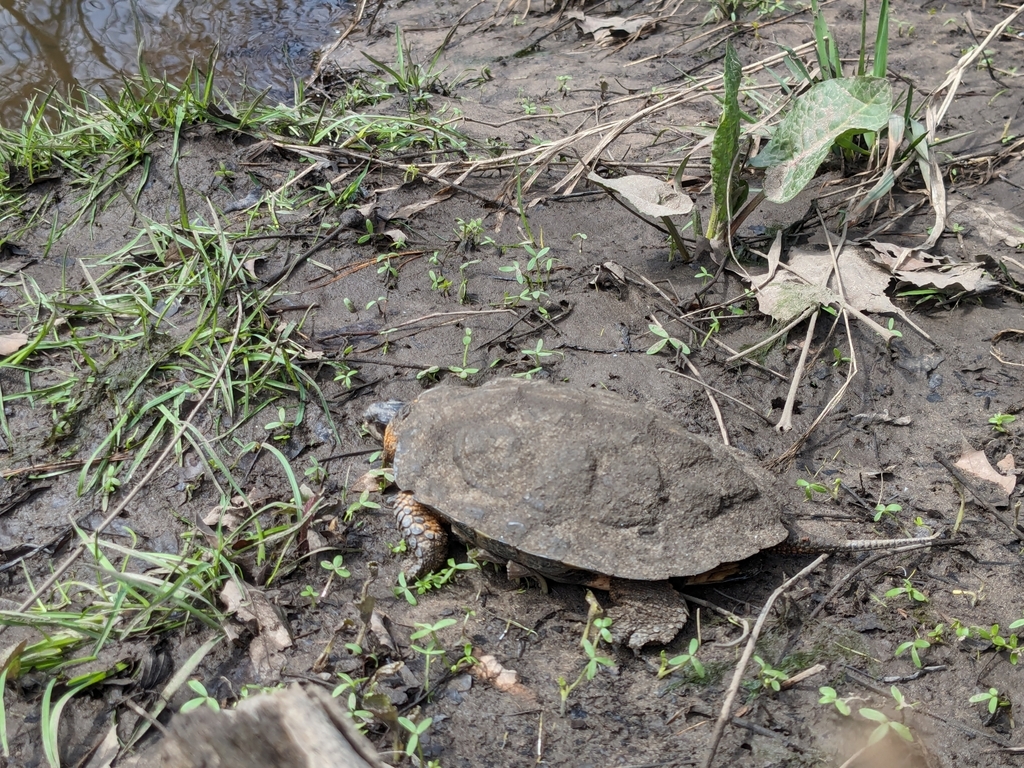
x=93, y=43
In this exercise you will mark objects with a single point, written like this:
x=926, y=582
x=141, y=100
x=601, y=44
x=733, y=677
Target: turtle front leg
x=645, y=612
x=424, y=532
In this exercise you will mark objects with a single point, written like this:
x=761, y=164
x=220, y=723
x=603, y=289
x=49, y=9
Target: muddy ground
x=911, y=398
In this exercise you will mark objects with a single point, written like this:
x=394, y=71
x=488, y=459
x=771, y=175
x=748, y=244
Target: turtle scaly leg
x=645, y=612
x=423, y=531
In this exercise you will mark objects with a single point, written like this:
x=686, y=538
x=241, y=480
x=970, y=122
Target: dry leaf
x=976, y=463
x=787, y=295
x=612, y=26
x=490, y=670
x=1007, y=465
x=893, y=257
x=12, y=342
x=648, y=195
x=994, y=226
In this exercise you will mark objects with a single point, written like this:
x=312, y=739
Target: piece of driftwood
x=293, y=728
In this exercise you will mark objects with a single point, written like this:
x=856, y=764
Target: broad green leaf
x=726, y=142
x=803, y=138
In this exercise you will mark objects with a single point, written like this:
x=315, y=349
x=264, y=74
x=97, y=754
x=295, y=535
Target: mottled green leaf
x=726, y=142
x=803, y=138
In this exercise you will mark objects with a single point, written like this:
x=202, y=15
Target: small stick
x=718, y=392
x=741, y=667
x=860, y=567
x=786, y=420
x=711, y=399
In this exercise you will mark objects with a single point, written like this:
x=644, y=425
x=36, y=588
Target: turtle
x=579, y=486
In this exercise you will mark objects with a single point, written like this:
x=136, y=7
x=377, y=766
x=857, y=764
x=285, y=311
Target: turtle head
x=380, y=420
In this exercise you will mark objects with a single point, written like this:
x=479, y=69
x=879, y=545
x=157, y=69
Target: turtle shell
x=585, y=479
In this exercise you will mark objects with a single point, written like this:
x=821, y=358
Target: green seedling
x=838, y=358
x=810, y=488
x=368, y=236
x=461, y=370
x=991, y=699
x=665, y=340
x=885, y=726
x=688, y=659
x=351, y=688
x=915, y=647
x=469, y=232
x=363, y=502
x=467, y=659
x=438, y=579
x=913, y=593
x=202, y=698
x=416, y=730
x=402, y=588
x=432, y=649
x=464, y=279
x=438, y=282
x=336, y=568
x=316, y=472
x=770, y=678
x=881, y=510
x=309, y=592
x=563, y=84
x=581, y=238
x=1009, y=644
x=429, y=374
x=891, y=327
x=538, y=353
x=1000, y=421
x=704, y=276
x=830, y=697
x=602, y=633
x=282, y=426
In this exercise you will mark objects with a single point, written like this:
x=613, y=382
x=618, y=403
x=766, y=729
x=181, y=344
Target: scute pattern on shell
x=585, y=479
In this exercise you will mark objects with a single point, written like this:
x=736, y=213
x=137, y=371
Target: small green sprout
x=668, y=666
x=810, y=488
x=915, y=647
x=887, y=509
x=202, y=698
x=829, y=696
x=461, y=370
x=991, y=698
x=363, y=502
x=884, y=726
x=415, y=732
x=1000, y=421
x=770, y=677
x=336, y=567
x=663, y=340
x=908, y=589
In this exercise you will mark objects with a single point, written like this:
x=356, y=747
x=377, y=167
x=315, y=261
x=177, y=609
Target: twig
x=711, y=399
x=718, y=392
x=786, y=420
x=860, y=567
x=741, y=667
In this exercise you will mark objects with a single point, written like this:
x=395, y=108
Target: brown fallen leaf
x=648, y=195
x=12, y=342
x=492, y=671
x=992, y=224
x=606, y=27
x=977, y=464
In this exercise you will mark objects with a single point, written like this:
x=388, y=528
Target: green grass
x=133, y=338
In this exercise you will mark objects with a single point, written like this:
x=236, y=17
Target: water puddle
x=93, y=43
